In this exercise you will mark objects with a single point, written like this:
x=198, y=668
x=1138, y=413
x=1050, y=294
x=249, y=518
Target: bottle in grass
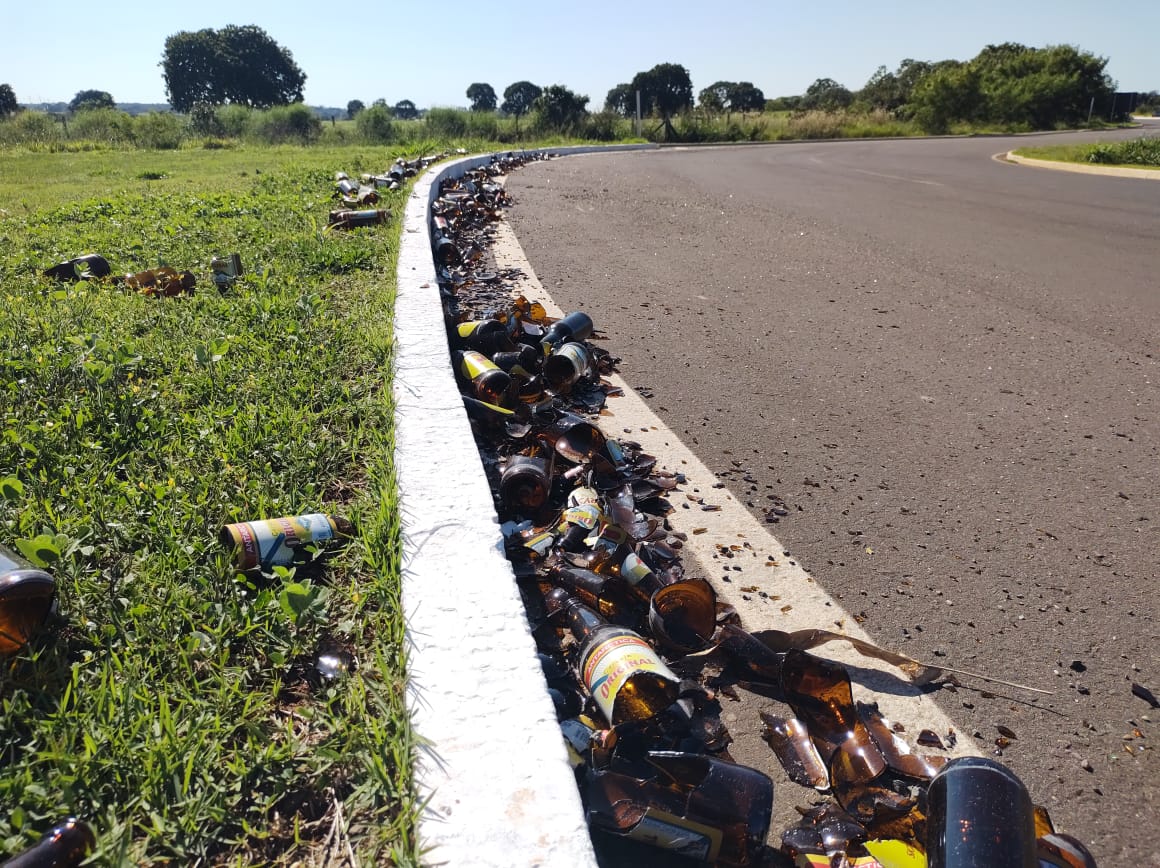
x=27, y=594
x=618, y=668
x=65, y=846
x=282, y=541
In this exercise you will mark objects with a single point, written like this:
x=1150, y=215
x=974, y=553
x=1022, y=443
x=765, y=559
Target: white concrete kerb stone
x=493, y=773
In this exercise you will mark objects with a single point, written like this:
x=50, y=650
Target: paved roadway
x=947, y=366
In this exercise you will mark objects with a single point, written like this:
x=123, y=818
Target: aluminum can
x=281, y=541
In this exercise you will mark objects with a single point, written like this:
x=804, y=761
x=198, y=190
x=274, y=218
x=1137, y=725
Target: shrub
x=446, y=123
x=234, y=120
x=482, y=125
x=287, y=124
x=375, y=125
x=30, y=128
x=1136, y=152
x=102, y=125
x=604, y=126
x=161, y=131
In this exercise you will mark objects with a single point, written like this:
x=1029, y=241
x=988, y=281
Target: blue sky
x=430, y=52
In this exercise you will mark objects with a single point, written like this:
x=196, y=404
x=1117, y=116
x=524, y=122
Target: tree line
x=1009, y=85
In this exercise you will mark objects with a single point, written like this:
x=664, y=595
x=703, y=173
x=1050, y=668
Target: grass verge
x=1142, y=153
x=173, y=703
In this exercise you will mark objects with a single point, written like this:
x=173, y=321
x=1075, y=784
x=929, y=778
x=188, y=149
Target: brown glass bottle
x=618, y=668
x=488, y=336
x=524, y=485
x=489, y=383
x=602, y=593
x=64, y=846
x=703, y=808
x=979, y=813
x=26, y=597
x=566, y=366
x=576, y=326
x=523, y=357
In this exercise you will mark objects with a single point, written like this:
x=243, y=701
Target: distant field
x=174, y=704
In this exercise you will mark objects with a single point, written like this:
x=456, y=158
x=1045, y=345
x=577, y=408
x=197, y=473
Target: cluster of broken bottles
x=159, y=282
x=358, y=198
x=616, y=618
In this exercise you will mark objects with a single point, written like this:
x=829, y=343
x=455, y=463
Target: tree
x=8, y=104
x=621, y=100
x=665, y=89
x=405, y=110
x=518, y=98
x=91, y=99
x=715, y=97
x=482, y=97
x=241, y=65
x=744, y=97
x=560, y=109
x=827, y=95
x=353, y=108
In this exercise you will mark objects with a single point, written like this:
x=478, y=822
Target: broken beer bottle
x=64, y=846
x=576, y=326
x=703, y=808
x=26, y=597
x=489, y=383
x=619, y=669
x=979, y=813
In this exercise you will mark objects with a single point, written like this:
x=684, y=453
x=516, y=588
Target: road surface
x=947, y=367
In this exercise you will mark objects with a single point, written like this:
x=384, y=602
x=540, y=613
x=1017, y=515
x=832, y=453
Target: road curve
x=948, y=367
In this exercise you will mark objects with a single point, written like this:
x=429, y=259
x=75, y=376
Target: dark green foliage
x=744, y=97
x=1013, y=86
x=295, y=124
x=518, y=98
x=560, y=110
x=86, y=100
x=160, y=131
x=827, y=95
x=482, y=97
x=621, y=100
x=353, y=108
x=405, y=110
x=715, y=97
x=240, y=65
x=8, y=104
x=666, y=89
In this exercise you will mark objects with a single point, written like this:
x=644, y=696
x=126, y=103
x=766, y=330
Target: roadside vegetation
x=1135, y=153
x=173, y=703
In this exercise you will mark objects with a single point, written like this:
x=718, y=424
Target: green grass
x=172, y=703
x=1143, y=153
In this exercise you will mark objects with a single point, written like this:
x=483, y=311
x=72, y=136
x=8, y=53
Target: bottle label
x=275, y=541
x=475, y=364
x=633, y=569
x=466, y=328
x=587, y=515
x=612, y=662
x=681, y=835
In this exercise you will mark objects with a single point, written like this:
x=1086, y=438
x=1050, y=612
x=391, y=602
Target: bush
x=483, y=125
x=375, y=125
x=30, y=128
x=234, y=120
x=203, y=120
x=102, y=125
x=446, y=123
x=283, y=124
x=1137, y=152
x=605, y=127
x=161, y=131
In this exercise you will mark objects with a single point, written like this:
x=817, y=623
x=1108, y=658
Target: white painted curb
x=494, y=774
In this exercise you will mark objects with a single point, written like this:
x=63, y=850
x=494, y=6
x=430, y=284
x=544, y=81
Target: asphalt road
x=947, y=366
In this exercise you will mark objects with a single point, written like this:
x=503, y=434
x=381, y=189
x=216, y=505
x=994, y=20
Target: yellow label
x=678, y=834
x=475, y=364
x=895, y=854
x=587, y=515
x=466, y=328
x=611, y=663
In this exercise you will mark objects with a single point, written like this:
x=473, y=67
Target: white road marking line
x=898, y=178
